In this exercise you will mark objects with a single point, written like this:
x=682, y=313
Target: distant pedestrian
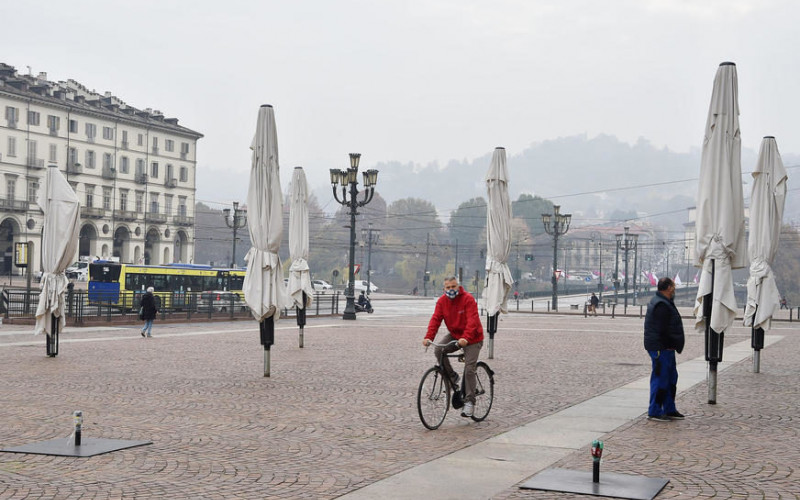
x=663, y=335
x=593, y=303
x=516, y=295
x=149, y=308
x=784, y=304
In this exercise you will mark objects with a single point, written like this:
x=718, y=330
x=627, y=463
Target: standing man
x=459, y=311
x=663, y=335
x=149, y=311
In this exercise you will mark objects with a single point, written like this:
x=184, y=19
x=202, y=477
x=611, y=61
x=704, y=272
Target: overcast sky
x=417, y=81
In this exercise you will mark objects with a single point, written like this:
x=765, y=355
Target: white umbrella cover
x=720, y=203
x=264, y=290
x=498, y=235
x=299, y=274
x=766, y=214
x=59, y=243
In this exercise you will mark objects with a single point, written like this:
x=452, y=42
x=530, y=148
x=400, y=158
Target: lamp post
x=349, y=179
x=370, y=236
x=618, y=237
x=556, y=224
x=237, y=221
x=626, y=242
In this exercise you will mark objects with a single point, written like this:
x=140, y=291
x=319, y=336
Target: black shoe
x=659, y=418
x=142, y=333
x=676, y=415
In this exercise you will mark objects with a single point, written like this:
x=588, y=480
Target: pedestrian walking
x=593, y=303
x=663, y=336
x=148, y=310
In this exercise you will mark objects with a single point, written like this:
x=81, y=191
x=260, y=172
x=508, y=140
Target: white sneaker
x=466, y=411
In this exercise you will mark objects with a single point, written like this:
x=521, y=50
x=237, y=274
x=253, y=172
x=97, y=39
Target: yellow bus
x=123, y=284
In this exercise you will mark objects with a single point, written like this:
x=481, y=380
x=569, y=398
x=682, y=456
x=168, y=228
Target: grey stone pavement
x=338, y=418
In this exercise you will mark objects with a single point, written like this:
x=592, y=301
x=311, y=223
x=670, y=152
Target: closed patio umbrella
x=59, y=243
x=766, y=214
x=300, y=289
x=498, y=243
x=264, y=290
x=720, y=228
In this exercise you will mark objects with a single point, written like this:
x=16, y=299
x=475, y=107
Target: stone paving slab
x=334, y=417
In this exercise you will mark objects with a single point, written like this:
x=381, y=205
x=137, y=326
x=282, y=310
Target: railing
x=184, y=154
x=14, y=205
x=36, y=162
x=95, y=212
x=155, y=150
x=126, y=215
x=124, y=144
x=155, y=217
x=140, y=179
x=74, y=169
x=171, y=183
x=182, y=220
x=109, y=173
x=20, y=304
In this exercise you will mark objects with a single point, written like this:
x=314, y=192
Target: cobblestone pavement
x=340, y=413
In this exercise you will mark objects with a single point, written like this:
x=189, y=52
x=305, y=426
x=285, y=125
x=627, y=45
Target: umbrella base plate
x=64, y=447
x=611, y=484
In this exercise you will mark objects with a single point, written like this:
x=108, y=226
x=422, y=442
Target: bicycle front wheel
x=433, y=398
x=484, y=391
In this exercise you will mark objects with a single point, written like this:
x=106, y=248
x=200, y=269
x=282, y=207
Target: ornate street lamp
x=556, y=224
x=349, y=178
x=236, y=222
x=625, y=242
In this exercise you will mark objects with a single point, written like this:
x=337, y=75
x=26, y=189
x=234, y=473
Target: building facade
x=133, y=170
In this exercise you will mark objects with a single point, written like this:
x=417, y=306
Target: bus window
x=236, y=282
x=107, y=272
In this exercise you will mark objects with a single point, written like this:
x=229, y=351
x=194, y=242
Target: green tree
x=530, y=209
x=412, y=219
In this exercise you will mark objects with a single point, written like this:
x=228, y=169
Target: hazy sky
x=417, y=81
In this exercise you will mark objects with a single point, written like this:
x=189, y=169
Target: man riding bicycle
x=459, y=311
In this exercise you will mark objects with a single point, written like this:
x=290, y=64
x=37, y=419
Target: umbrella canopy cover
x=498, y=235
x=264, y=290
x=59, y=244
x=299, y=274
x=720, y=203
x=766, y=214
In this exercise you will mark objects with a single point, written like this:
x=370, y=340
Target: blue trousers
x=663, y=383
x=148, y=326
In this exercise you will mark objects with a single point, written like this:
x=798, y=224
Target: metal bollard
x=585, y=311
x=640, y=312
x=548, y=306
x=597, y=453
x=77, y=417
x=613, y=310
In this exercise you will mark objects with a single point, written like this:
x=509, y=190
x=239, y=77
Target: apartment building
x=133, y=170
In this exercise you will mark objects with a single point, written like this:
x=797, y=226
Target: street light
x=625, y=242
x=556, y=224
x=349, y=178
x=236, y=222
x=370, y=236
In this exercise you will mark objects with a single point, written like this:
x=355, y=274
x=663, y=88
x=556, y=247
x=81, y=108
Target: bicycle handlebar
x=440, y=345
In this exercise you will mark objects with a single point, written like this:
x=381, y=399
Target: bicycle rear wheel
x=484, y=391
x=433, y=398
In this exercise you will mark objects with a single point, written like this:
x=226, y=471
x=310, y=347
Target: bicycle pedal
x=460, y=358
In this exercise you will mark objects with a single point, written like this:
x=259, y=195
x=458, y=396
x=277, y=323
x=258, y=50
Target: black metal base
x=611, y=484
x=65, y=447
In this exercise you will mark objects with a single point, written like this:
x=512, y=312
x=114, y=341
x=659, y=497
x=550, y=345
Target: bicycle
x=434, y=394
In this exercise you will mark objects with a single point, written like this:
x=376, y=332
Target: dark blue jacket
x=663, y=328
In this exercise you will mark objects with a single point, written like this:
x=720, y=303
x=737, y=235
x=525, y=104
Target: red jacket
x=460, y=316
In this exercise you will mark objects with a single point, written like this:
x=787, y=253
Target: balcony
x=109, y=173
x=54, y=132
x=7, y=205
x=35, y=162
x=126, y=215
x=182, y=220
x=12, y=123
x=92, y=212
x=125, y=145
x=155, y=150
x=140, y=179
x=74, y=169
x=171, y=183
x=184, y=155
x=155, y=218
x=90, y=139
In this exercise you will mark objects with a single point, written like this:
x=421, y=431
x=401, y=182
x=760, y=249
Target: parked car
x=321, y=285
x=361, y=286
x=220, y=301
x=78, y=271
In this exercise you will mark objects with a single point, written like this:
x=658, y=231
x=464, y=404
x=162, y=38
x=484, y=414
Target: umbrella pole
x=52, y=337
x=757, y=343
x=267, y=331
x=301, y=318
x=491, y=328
x=714, y=341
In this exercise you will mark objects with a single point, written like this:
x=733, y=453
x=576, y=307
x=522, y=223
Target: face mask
x=451, y=294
